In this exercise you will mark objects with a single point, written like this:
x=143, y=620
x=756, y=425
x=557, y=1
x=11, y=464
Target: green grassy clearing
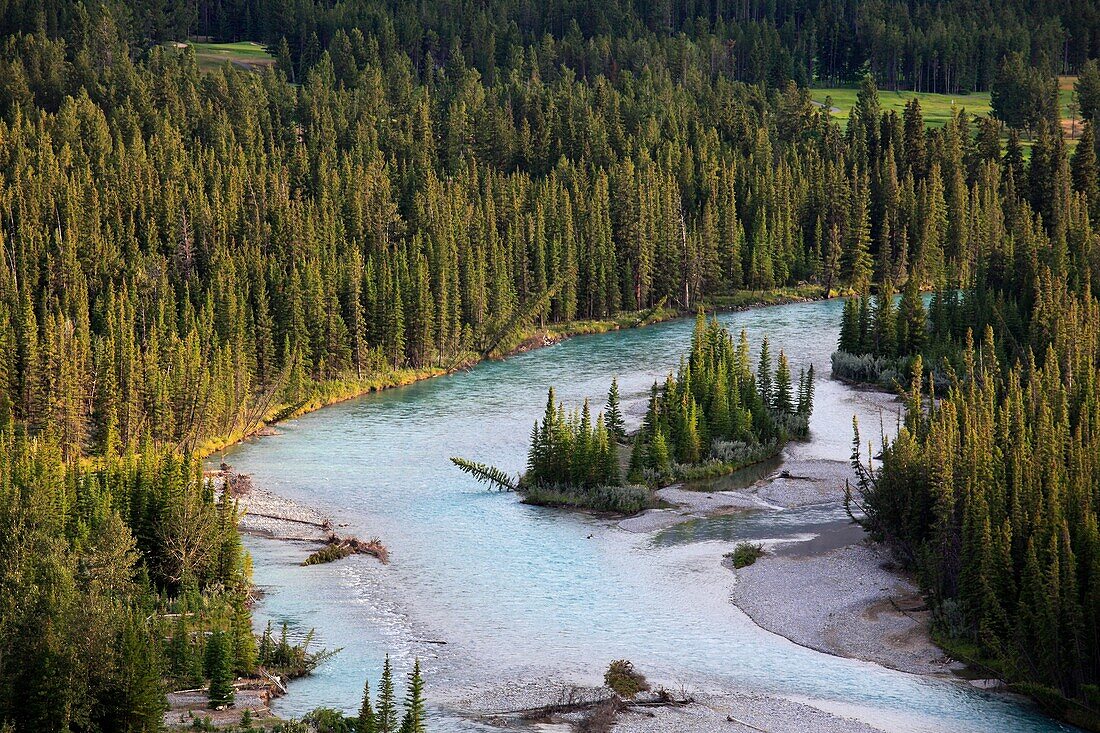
x=241, y=53
x=938, y=108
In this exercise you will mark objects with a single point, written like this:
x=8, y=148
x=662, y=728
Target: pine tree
x=413, y=721
x=219, y=669
x=613, y=417
x=386, y=715
x=365, y=722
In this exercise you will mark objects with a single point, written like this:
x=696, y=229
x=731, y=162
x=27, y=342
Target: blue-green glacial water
x=519, y=592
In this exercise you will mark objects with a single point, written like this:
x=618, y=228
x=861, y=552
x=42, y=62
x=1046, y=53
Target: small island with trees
x=713, y=417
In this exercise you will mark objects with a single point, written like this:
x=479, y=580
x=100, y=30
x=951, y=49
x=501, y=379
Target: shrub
x=739, y=453
x=627, y=499
x=794, y=425
x=601, y=719
x=624, y=679
x=328, y=553
x=1050, y=700
x=327, y=720
x=745, y=554
x=868, y=368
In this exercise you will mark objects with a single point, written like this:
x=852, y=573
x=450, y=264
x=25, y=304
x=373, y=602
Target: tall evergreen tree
x=385, y=719
x=365, y=722
x=613, y=416
x=219, y=669
x=413, y=722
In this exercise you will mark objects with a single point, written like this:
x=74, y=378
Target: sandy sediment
x=688, y=504
x=742, y=712
x=846, y=601
x=804, y=482
x=835, y=592
x=798, y=483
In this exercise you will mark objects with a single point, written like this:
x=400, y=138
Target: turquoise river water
x=519, y=592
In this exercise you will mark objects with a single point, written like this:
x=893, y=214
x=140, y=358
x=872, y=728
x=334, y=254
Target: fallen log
x=731, y=719
x=320, y=525
x=562, y=708
x=274, y=680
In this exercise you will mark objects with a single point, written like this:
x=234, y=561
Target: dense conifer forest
x=185, y=254
x=950, y=47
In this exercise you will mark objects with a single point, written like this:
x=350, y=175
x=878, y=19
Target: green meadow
x=247, y=54
x=938, y=108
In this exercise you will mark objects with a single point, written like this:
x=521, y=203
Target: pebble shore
x=848, y=602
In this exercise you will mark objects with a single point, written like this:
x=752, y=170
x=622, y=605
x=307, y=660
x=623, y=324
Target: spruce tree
x=386, y=715
x=179, y=649
x=911, y=320
x=638, y=459
x=413, y=722
x=764, y=373
x=783, y=399
x=219, y=669
x=244, y=642
x=1086, y=172
x=849, y=328
x=806, y=392
x=613, y=416
x=659, y=459
x=365, y=722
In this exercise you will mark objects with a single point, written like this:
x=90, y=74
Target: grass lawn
x=937, y=108
x=247, y=54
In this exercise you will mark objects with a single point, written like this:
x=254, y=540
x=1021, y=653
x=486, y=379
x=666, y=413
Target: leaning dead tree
x=486, y=474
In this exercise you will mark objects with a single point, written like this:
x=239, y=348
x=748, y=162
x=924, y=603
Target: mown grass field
x=246, y=54
x=938, y=108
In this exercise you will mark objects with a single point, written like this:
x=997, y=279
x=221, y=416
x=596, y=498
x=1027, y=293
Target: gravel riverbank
x=266, y=514
x=846, y=601
x=513, y=705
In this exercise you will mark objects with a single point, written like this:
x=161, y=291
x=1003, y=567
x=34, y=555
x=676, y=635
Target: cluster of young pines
x=713, y=417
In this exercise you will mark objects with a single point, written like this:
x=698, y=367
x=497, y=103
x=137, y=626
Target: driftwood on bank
x=334, y=546
x=663, y=699
x=325, y=525
x=274, y=679
x=337, y=547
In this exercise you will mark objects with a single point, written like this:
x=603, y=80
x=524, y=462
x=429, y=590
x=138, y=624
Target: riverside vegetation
x=187, y=252
x=714, y=417
x=382, y=715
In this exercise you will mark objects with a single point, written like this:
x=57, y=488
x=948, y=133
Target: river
x=520, y=592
